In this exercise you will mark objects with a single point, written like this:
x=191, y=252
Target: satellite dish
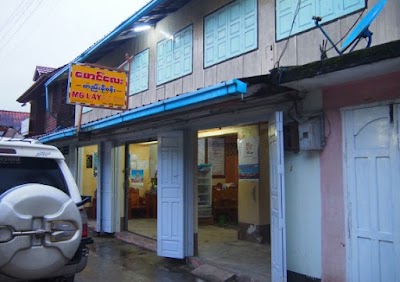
x=359, y=32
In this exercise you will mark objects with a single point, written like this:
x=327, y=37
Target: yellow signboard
x=97, y=87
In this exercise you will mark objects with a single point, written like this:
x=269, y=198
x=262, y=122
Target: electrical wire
x=15, y=17
x=4, y=44
x=12, y=16
x=296, y=12
x=50, y=6
x=348, y=31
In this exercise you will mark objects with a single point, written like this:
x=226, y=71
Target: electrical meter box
x=311, y=134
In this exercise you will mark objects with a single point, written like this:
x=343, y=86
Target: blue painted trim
x=143, y=11
x=47, y=99
x=217, y=91
x=59, y=135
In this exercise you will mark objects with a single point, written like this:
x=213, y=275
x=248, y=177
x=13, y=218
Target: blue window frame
x=230, y=31
x=139, y=74
x=175, y=56
x=328, y=10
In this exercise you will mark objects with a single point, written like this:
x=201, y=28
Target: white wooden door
x=105, y=193
x=170, y=195
x=373, y=193
x=278, y=226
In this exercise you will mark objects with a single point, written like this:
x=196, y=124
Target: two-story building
x=305, y=134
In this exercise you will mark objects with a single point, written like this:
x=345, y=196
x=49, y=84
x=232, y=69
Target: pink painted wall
x=374, y=89
x=332, y=202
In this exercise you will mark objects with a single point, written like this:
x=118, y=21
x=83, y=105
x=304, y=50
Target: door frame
x=277, y=191
x=254, y=117
x=346, y=188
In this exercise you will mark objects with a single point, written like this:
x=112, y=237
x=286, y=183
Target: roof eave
x=28, y=95
x=112, y=35
x=384, y=58
x=218, y=92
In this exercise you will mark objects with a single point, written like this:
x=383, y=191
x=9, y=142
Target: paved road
x=114, y=260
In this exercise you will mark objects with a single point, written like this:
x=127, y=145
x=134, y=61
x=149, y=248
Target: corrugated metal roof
x=40, y=70
x=231, y=89
x=12, y=119
x=151, y=13
x=37, y=88
x=160, y=10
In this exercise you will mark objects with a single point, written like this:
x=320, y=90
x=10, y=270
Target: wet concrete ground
x=111, y=259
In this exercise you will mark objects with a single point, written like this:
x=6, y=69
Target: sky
x=50, y=33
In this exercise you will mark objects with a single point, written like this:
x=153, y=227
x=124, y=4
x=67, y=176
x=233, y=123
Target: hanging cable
x=348, y=31
x=296, y=12
x=21, y=25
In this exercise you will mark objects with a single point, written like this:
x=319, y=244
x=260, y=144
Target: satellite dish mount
x=359, y=32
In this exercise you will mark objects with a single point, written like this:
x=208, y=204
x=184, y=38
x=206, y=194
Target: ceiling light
x=140, y=28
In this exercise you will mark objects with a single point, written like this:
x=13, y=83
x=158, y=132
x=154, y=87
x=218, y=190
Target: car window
x=16, y=171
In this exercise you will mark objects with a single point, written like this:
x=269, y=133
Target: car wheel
x=40, y=231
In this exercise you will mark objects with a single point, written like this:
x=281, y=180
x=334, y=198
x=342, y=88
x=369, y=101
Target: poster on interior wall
x=201, y=151
x=216, y=155
x=95, y=163
x=143, y=164
x=137, y=178
x=248, y=158
x=89, y=161
x=136, y=163
x=133, y=161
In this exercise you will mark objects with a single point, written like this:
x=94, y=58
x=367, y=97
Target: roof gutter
x=143, y=11
x=70, y=132
x=215, y=92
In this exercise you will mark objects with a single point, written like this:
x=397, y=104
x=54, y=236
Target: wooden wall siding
x=304, y=47
x=266, y=37
x=301, y=49
x=37, y=116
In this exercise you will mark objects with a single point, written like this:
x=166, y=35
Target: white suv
x=43, y=226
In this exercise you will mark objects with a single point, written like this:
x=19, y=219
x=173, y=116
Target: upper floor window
x=174, y=56
x=230, y=31
x=139, y=74
x=299, y=13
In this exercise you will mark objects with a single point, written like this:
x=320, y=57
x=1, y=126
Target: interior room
x=232, y=190
x=142, y=189
x=232, y=187
x=88, y=178
x=231, y=178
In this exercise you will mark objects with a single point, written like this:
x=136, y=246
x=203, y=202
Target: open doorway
x=88, y=168
x=142, y=189
x=217, y=180
x=232, y=195
x=240, y=217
